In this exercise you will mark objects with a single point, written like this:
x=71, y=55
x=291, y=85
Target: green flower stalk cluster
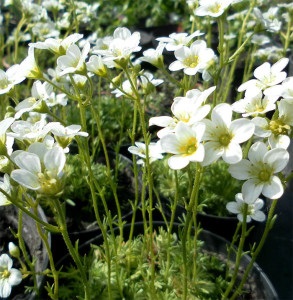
x=71, y=94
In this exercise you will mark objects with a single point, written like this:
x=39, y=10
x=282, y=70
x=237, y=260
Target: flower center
x=5, y=274
x=279, y=127
x=4, y=83
x=49, y=185
x=190, y=147
x=264, y=175
x=216, y=8
x=191, y=61
x=225, y=139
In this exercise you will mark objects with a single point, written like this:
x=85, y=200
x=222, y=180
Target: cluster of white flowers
x=196, y=131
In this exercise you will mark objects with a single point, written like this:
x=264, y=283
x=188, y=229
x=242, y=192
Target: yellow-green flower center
x=49, y=185
x=5, y=274
x=3, y=83
x=216, y=8
x=264, y=175
x=279, y=127
x=190, y=147
x=191, y=61
x=225, y=139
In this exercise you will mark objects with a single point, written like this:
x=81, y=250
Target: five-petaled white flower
x=223, y=135
x=57, y=46
x=185, y=144
x=253, y=209
x=189, y=109
x=74, y=60
x=29, y=132
x=29, y=67
x=267, y=78
x=154, y=56
x=8, y=276
x=64, y=135
x=192, y=59
x=154, y=151
x=254, y=103
x=120, y=48
x=278, y=128
x=259, y=171
x=212, y=8
x=40, y=170
x=177, y=40
x=10, y=78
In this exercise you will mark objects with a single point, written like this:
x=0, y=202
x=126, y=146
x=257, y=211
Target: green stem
x=239, y=254
x=254, y=255
x=72, y=250
x=191, y=208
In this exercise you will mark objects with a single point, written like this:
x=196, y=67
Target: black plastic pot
x=33, y=242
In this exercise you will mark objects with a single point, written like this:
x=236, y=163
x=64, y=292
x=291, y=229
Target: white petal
x=54, y=160
x=26, y=179
x=176, y=65
x=257, y=152
x=5, y=288
x=213, y=151
x=242, y=130
x=177, y=162
x=28, y=161
x=233, y=153
x=170, y=144
x=277, y=158
x=222, y=115
x=233, y=207
x=273, y=190
x=15, y=277
x=241, y=170
x=251, y=191
x=258, y=216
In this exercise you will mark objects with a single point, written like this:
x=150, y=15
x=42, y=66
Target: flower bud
x=13, y=250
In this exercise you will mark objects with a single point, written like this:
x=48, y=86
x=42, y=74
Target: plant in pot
x=203, y=130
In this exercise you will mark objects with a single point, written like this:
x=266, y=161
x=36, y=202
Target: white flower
x=74, y=59
x=58, y=46
x=123, y=44
x=253, y=210
x=185, y=144
x=259, y=172
x=147, y=81
x=96, y=65
x=287, y=86
x=10, y=78
x=5, y=186
x=213, y=8
x=192, y=59
x=254, y=104
x=154, y=56
x=267, y=78
x=188, y=109
x=278, y=129
x=125, y=90
x=29, y=67
x=42, y=171
x=154, y=151
x=27, y=131
x=269, y=19
x=8, y=276
x=223, y=135
x=177, y=40
x=64, y=135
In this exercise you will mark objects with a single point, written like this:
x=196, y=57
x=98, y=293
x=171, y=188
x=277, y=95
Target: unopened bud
x=13, y=250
